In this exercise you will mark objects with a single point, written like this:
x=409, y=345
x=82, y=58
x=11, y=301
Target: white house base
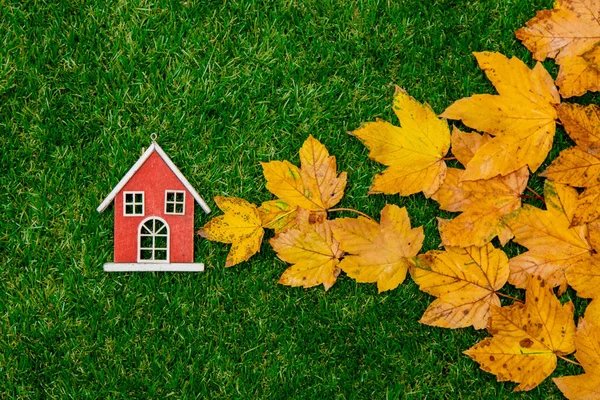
x=154, y=267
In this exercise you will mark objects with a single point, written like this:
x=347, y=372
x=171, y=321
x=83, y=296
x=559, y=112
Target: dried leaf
x=592, y=312
x=378, y=252
x=568, y=34
x=527, y=338
x=483, y=203
x=312, y=249
x=553, y=245
x=587, y=345
x=580, y=166
x=414, y=152
x=240, y=225
x=465, y=144
x=315, y=186
x=521, y=118
x=465, y=282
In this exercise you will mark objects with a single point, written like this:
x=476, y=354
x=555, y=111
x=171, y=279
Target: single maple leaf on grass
x=413, y=152
x=553, y=245
x=312, y=249
x=241, y=226
x=378, y=252
x=521, y=117
x=587, y=345
x=465, y=282
x=569, y=33
x=483, y=202
x=527, y=338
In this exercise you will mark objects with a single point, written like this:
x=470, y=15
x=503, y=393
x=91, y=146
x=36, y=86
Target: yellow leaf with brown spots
x=378, y=252
x=584, y=277
x=553, y=244
x=313, y=251
x=521, y=117
x=240, y=225
x=569, y=33
x=315, y=186
x=587, y=345
x=465, y=282
x=527, y=338
x=413, y=152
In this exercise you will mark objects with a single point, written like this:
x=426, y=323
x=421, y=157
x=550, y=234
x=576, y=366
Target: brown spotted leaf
x=569, y=33
x=240, y=225
x=378, y=252
x=313, y=251
x=552, y=243
x=465, y=282
x=527, y=338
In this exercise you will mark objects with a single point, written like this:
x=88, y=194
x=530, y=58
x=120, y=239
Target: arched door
x=153, y=240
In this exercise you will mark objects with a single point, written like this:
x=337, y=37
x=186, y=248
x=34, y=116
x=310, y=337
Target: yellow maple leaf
x=240, y=225
x=587, y=345
x=553, y=245
x=521, y=117
x=527, y=338
x=580, y=166
x=465, y=282
x=413, y=152
x=568, y=33
x=483, y=202
x=315, y=186
x=277, y=215
x=313, y=251
x=378, y=252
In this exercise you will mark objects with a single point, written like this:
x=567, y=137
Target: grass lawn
x=225, y=85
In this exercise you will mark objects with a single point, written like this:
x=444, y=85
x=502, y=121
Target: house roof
x=153, y=147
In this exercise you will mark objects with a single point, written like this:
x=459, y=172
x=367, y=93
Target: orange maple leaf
x=315, y=186
x=587, y=345
x=413, y=152
x=378, y=252
x=483, y=202
x=553, y=245
x=580, y=166
x=465, y=282
x=521, y=117
x=527, y=338
x=312, y=249
x=241, y=226
x=569, y=34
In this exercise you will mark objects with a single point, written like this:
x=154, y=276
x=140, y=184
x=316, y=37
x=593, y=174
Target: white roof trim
x=153, y=147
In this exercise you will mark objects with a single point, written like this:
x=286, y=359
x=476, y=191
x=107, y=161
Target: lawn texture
x=225, y=85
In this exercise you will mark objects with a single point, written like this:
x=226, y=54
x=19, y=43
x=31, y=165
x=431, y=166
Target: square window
x=175, y=202
x=133, y=203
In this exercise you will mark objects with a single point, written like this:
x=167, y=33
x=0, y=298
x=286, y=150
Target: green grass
x=225, y=85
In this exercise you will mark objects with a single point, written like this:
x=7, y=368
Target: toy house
x=154, y=217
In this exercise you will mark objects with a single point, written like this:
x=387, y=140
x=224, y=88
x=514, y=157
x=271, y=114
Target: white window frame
x=125, y=204
x=153, y=249
x=175, y=202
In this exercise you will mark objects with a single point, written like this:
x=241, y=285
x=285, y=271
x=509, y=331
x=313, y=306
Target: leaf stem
x=536, y=195
x=509, y=297
x=351, y=210
x=449, y=158
x=567, y=360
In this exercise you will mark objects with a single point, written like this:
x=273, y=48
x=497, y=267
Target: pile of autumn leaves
x=519, y=125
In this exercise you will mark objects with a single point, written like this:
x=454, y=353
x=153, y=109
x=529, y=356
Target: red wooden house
x=154, y=217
